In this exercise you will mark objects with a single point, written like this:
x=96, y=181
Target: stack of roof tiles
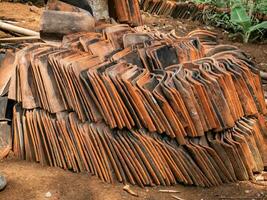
x=140, y=106
x=6, y=59
x=175, y=9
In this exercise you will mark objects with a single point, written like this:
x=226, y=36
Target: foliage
x=240, y=20
x=221, y=20
x=240, y=17
x=261, y=6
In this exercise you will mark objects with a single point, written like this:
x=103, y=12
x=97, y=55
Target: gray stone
x=2, y=182
x=100, y=8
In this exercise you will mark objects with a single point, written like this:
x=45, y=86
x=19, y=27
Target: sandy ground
x=32, y=181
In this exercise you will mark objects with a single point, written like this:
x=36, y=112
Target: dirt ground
x=24, y=15
x=32, y=181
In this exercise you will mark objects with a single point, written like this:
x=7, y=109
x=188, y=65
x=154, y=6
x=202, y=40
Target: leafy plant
x=261, y=6
x=240, y=17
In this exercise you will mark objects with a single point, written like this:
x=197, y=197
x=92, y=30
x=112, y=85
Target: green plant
x=241, y=19
x=261, y=6
x=210, y=16
x=248, y=27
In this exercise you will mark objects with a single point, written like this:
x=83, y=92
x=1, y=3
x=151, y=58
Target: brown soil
x=24, y=15
x=32, y=181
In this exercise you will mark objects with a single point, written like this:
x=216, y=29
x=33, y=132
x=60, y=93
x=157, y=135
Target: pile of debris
x=137, y=105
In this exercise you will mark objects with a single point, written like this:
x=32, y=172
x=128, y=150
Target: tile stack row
x=140, y=106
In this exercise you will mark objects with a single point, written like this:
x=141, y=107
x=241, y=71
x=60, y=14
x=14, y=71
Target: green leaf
x=239, y=17
x=259, y=27
x=261, y=6
x=202, y=1
x=262, y=25
x=220, y=3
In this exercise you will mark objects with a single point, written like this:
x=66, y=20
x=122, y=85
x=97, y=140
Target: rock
x=247, y=191
x=48, y=195
x=2, y=182
x=100, y=8
x=34, y=9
